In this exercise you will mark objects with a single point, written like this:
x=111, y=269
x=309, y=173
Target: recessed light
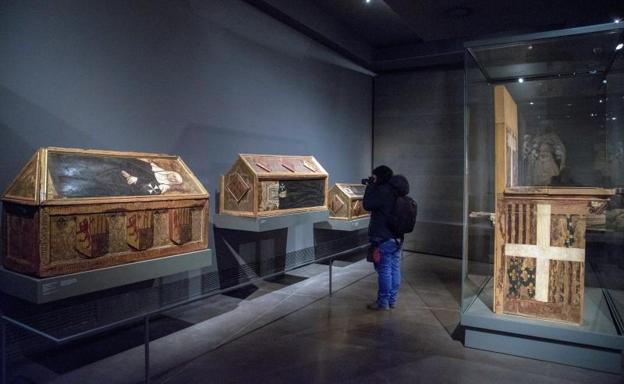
x=569, y=104
x=617, y=21
x=521, y=80
x=530, y=47
x=619, y=46
x=604, y=81
x=614, y=118
x=600, y=101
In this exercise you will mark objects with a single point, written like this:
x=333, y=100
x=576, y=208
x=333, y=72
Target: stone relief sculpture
x=544, y=156
x=615, y=211
x=615, y=160
x=615, y=219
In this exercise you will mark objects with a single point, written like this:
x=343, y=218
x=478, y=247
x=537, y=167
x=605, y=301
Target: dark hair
x=383, y=173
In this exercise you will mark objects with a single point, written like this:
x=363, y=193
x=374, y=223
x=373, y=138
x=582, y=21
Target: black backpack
x=403, y=217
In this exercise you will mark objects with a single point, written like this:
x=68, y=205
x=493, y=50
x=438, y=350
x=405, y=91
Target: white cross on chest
x=543, y=252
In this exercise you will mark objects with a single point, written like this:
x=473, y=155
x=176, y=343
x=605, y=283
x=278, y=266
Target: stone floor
x=337, y=340
x=295, y=333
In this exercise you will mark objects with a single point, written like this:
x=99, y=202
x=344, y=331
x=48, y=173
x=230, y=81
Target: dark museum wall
x=418, y=132
x=205, y=80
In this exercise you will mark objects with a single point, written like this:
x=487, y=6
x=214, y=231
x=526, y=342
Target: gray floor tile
x=337, y=340
x=300, y=335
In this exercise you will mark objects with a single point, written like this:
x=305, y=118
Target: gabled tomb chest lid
x=560, y=191
x=352, y=190
x=59, y=176
x=271, y=166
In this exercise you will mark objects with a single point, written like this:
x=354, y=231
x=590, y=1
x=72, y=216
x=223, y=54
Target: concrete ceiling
x=386, y=35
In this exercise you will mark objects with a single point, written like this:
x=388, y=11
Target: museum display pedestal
x=344, y=225
x=299, y=225
x=45, y=290
x=269, y=223
x=248, y=247
x=595, y=344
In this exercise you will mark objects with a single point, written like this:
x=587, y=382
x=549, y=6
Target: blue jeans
x=389, y=273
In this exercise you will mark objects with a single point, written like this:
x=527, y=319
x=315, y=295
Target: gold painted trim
x=320, y=170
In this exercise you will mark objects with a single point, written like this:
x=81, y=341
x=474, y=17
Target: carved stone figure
x=544, y=157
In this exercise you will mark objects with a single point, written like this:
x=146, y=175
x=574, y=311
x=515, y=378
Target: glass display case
x=543, y=252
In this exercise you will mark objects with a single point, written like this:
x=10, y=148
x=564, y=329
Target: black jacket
x=379, y=200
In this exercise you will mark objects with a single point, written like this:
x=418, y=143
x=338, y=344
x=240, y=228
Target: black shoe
x=376, y=307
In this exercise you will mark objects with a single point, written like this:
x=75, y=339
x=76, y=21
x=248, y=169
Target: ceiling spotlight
x=604, y=81
x=617, y=21
x=592, y=115
x=530, y=47
x=619, y=46
x=614, y=118
x=569, y=104
x=368, y=1
x=521, y=80
x=600, y=101
x=532, y=103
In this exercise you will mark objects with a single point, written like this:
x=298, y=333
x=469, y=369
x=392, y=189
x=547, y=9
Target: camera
x=369, y=180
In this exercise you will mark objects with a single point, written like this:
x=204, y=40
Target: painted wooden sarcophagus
x=539, y=266
x=345, y=201
x=72, y=210
x=266, y=185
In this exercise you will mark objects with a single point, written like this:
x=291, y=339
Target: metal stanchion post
x=147, y=357
x=3, y=365
x=331, y=263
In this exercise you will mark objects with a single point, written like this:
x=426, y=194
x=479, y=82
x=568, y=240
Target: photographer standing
x=382, y=191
